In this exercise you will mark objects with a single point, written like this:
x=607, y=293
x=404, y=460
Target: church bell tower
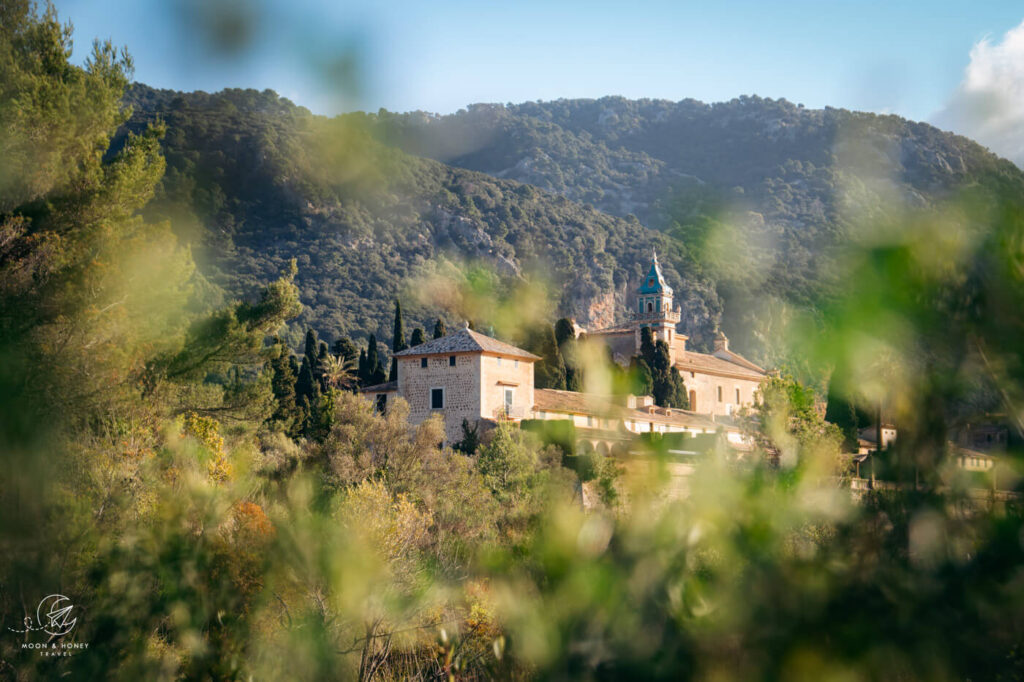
x=654, y=309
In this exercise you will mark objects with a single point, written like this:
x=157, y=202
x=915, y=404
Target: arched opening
x=693, y=400
x=602, y=449
x=650, y=307
x=584, y=446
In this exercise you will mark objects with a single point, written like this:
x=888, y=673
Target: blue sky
x=899, y=57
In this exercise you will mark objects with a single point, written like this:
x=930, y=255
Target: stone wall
x=706, y=388
x=461, y=385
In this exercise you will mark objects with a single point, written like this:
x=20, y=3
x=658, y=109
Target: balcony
x=672, y=316
x=509, y=413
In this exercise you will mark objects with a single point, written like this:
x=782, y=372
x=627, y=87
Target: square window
x=437, y=398
x=499, y=362
x=423, y=362
x=451, y=360
x=515, y=364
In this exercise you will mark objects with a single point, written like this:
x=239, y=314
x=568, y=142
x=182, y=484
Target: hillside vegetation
x=253, y=181
x=748, y=201
x=762, y=193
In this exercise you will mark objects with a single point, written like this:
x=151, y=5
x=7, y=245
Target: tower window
x=650, y=282
x=649, y=307
x=423, y=362
x=437, y=398
x=451, y=360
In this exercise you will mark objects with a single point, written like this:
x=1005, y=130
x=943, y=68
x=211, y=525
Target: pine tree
x=418, y=336
x=346, y=351
x=439, y=329
x=397, y=341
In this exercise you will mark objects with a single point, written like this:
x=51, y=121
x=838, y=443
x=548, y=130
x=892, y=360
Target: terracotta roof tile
x=551, y=400
x=380, y=388
x=702, y=362
x=466, y=341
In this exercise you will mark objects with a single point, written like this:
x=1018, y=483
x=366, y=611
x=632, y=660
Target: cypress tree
x=549, y=371
x=842, y=412
x=374, y=367
x=642, y=380
x=418, y=336
x=364, y=368
x=668, y=387
x=647, y=346
x=282, y=383
x=397, y=341
x=565, y=336
x=439, y=329
x=311, y=348
x=306, y=384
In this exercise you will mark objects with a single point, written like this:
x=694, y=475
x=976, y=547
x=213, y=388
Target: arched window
x=650, y=308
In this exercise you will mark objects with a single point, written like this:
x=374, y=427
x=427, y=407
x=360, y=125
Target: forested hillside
x=761, y=192
x=253, y=181
x=748, y=200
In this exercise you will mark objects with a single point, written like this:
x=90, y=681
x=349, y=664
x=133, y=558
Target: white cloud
x=988, y=106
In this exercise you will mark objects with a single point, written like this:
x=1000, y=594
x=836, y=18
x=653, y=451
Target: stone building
x=718, y=383
x=464, y=375
x=469, y=376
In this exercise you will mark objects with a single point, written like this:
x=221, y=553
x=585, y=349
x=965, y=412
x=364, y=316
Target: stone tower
x=654, y=309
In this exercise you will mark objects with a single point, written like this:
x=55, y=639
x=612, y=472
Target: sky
x=954, y=63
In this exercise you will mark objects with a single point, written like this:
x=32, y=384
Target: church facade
x=718, y=383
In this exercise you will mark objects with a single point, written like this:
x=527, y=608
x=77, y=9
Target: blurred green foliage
x=153, y=473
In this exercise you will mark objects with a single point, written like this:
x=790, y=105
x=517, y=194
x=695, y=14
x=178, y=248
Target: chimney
x=721, y=341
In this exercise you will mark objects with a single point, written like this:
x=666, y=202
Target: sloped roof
x=380, y=388
x=624, y=328
x=466, y=341
x=551, y=400
x=729, y=356
x=658, y=284
x=691, y=361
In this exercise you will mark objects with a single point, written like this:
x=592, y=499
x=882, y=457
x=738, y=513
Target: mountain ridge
x=785, y=184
